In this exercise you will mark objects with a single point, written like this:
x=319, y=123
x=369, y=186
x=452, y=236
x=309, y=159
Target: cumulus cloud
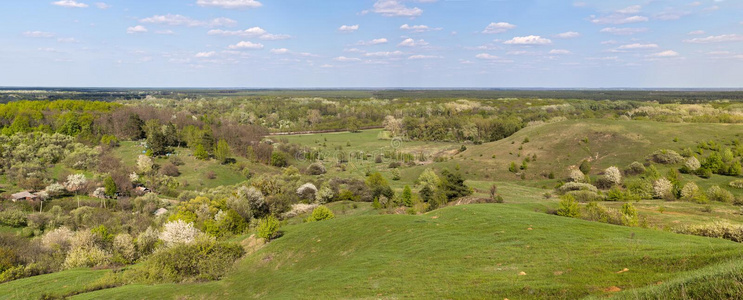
x=280, y=51
x=568, y=35
x=560, y=52
x=136, y=29
x=229, y=4
x=180, y=20
x=725, y=38
x=637, y=46
x=372, y=42
x=102, y=5
x=487, y=56
x=346, y=59
x=412, y=43
x=348, y=28
x=418, y=28
x=38, y=34
x=499, y=27
x=246, y=45
x=393, y=8
x=70, y=3
x=623, y=31
x=528, y=40
x=205, y=54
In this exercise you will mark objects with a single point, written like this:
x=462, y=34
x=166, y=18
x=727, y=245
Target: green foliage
x=615, y=194
x=629, y=215
x=110, y=187
x=585, y=167
x=321, y=213
x=200, y=152
x=222, y=151
x=512, y=168
x=407, y=196
x=13, y=218
x=379, y=186
x=268, y=228
x=279, y=159
x=568, y=207
x=452, y=184
x=202, y=260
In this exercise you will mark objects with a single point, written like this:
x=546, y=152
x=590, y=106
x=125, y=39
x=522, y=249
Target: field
x=471, y=251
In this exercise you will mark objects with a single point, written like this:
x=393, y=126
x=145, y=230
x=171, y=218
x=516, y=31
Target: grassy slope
x=472, y=251
x=60, y=283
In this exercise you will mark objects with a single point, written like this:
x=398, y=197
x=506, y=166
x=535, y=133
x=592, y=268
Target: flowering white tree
x=692, y=163
x=178, y=232
x=689, y=190
x=55, y=189
x=324, y=195
x=75, y=182
x=576, y=176
x=662, y=188
x=247, y=201
x=144, y=164
x=613, y=175
x=58, y=239
x=307, y=191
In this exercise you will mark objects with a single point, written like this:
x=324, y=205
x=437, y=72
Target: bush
x=585, y=167
x=615, y=194
x=178, y=232
x=576, y=186
x=576, y=176
x=689, y=191
x=86, y=257
x=716, y=193
x=692, y=164
x=704, y=173
x=662, y=189
x=666, y=156
x=599, y=213
x=639, y=189
x=716, y=230
x=585, y=196
x=279, y=159
x=738, y=184
x=203, y=260
x=568, y=207
x=613, y=175
x=316, y=169
x=635, y=168
x=169, y=169
x=13, y=218
x=629, y=215
x=321, y=213
x=268, y=228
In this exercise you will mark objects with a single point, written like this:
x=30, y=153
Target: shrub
x=576, y=176
x=585, y=196
x=307, y=191
x=176, y=160
x=585, y=166
x=629, y=215
x=666, y=156
x=249, y=202
x=123, y=246
x=716, y=230
x=169, y=169
x=704, y=172
x=211, y=175
x=692, y=164
x=599, y=213
x=86, y=257
x=716, y=193
x=396, y=174
x=58, y=239
x=178, y=232
x=639, y=189
x=615, y=194
x=738, y=184
x=568, y=207
x=577, y=186
x=321, y=213
x=689, y=191
x=635, y=168
x=316, y=169
x=613, y=175
x=13, y=218
x=279, y=159
x=203, y=260
x=268, y=228
x=662, y=189
x=147, y=241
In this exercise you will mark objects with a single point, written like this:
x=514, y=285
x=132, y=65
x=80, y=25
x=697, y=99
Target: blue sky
x=372, y=43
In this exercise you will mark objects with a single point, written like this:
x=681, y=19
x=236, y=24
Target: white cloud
x=499, y=27
x=247, y=45
x=205, y=54
x=167, y=31
x=618, y=19
x=528, y=40
x=348, y=28
x=568, y=35
x=346, y=59
x=38, y=34
x=630, y=10
x=102, y=5
x=696, y=32
x=623, y=31
x=180, y=20
x=393, y=8
x=274, y=37
x=560, y=52
x=637, y=46
x=136, y=29
x=70, y=3
x=418, y=28
x=717, y=39
x=372, y=42
x=670, y=15
x=487, y=56
x=229, y=4
x=412, y=43
x=667, y=53
x=280, y=51
x=250, y=32
x=384, y=54
x=420, y=56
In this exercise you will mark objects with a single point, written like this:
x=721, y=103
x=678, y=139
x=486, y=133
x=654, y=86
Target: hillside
x=466, y=251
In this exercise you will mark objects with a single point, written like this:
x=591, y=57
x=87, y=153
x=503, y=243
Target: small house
x=142, y=190
x=25, y=195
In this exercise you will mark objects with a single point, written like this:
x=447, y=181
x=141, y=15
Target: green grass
x=59, y=283
x=471, y=251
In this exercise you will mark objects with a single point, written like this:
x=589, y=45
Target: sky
x=372, y=43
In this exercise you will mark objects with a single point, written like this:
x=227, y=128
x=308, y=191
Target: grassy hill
x=471, y=251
